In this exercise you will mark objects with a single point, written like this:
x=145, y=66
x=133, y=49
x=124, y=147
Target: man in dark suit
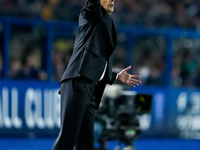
x=88, y=72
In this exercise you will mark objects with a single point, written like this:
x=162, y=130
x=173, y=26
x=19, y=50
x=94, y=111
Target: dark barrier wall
x=183, y=112
x=29, y=108
x=32, y=109
x=176, y=112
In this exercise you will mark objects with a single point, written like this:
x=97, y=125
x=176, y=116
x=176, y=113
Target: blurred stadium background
x=159, y=38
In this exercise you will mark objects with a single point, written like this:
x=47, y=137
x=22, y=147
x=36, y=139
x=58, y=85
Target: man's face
x=108, y=5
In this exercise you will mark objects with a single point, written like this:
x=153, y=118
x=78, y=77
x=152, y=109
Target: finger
x=132, y=85
x=128, y=68
x=135, y=81
x=135, y=76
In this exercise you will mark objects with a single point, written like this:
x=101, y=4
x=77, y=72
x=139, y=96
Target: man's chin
x=110, y=11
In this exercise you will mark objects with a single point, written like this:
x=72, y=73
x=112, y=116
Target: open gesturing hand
x=131, y=80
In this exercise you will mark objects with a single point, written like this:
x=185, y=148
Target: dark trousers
x=77, y=115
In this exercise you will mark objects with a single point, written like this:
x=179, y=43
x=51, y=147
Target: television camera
x=119, y=116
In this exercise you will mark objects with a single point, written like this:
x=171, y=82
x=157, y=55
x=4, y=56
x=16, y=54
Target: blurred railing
x=137, y=43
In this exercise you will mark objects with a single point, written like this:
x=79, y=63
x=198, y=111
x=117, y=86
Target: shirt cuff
x=116, y=76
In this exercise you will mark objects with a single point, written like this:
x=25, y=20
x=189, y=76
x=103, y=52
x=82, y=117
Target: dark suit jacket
x=94, y=44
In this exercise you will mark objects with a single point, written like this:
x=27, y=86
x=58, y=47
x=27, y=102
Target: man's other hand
x=131, y=80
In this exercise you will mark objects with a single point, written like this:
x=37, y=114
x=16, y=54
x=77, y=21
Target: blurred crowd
x=28, y=67
x=30, y=61
x=159, y=13
x=186, y=63
x=61, y=55
x=153, y=13
x=26, y=53
x=41, y=9
x=149, y=60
